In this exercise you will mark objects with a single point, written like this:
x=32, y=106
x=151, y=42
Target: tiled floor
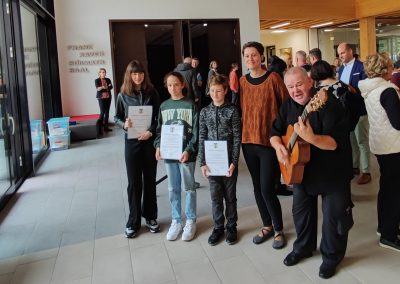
x=65, y=226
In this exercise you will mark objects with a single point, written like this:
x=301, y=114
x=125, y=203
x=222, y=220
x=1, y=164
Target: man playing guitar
x=328, y=172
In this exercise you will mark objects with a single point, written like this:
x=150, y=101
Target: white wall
x=80, y=23
x=296, y=39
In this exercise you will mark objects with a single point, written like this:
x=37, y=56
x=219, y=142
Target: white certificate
x=140, y=117
x=216, y=153
x=171, y=144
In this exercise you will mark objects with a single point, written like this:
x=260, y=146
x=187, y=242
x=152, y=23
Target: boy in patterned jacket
x=220, y=121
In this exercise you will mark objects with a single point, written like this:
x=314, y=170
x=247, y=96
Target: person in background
x=220, y=121
x=182, y=111
x=212, y=72
x=315, y=55
x=234, y=83
x=336, y=65
x=350, y=73
x=195, y=65
x=275, y=64
x=190, y=76
x=261, y=94
x=103, y=95
x=301, y=60
x=396, y=74
x=141, y=165
x=382, y=100
x=327, y=133
x=287, y=57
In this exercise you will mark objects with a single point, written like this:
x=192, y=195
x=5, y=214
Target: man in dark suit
x=352, y=71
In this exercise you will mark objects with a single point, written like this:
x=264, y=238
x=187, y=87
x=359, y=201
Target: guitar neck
x=294, y=136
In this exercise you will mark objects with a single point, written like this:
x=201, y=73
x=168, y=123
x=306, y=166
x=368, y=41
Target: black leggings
x=264, y=168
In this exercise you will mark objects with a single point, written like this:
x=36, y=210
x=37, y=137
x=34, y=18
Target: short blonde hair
x=377, y=65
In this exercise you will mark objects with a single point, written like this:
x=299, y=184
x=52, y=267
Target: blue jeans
x=181, y=177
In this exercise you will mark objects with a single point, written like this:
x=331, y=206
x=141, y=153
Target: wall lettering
x=83, y=56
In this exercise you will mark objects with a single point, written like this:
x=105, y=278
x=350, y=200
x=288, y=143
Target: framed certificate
x=216, y=154
x=140, y=117
x=171, y=144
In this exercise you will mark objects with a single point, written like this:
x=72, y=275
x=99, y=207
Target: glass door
x=6, y=123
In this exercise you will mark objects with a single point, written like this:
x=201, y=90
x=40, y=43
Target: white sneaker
x=189, y=230
x=174, y=230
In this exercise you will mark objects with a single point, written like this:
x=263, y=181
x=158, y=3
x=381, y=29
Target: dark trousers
x=224, y=188
x=141, y=168
x=389, y=196
x=263, y=167
x=104, y=105
x=337, y=221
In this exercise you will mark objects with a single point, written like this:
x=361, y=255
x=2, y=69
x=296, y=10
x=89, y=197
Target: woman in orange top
x=261, y=94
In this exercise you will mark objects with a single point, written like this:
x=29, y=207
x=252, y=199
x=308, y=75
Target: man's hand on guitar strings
x=304, y=130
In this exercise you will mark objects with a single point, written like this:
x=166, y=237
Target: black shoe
x=283, y=190
x=215, y=236
x=106, y=129
x=265, y=235
x=231, y=235
x=326, y=271
x=130, y=233
x=294, y=258
x=196, y=184
x=153, y=226
x=395, y=245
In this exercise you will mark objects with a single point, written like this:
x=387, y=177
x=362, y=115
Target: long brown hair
x=128, y=86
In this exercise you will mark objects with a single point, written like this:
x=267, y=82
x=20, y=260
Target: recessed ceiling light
x=205, y=25
x=321, y=25
x=146, y=25
x=280, y=25
x=279, y=31
x=328, y=30
x=349, y=24
x=357, y=29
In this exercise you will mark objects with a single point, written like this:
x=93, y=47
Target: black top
x=391, y=103
x=97, y=83
x=327, y=170
x=259, y=80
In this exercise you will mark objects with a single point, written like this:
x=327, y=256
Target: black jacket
x=142, y=98
x=97, y=82
x=221, y=123
x=190, y=76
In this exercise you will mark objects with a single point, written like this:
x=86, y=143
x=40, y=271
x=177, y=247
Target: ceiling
x=266, y=24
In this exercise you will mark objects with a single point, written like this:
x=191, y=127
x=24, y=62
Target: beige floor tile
x=110, y=243
x=113, y=266
x=151, y=264
x=197, y=271
x=145, y=238
x=6, y=278
x=41, y=255
x=9, y=265
x=38, y=272
x=74, y=262
x=86, y=280
x=238, y=270
x=181, y=251
x=290, y=276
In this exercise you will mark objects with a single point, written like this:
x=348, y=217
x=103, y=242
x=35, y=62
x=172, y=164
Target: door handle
x=13, y=124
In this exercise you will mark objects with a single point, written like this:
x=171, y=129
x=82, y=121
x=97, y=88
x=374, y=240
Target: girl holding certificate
x=176, y=143
x=220, y=126
x=141, y=166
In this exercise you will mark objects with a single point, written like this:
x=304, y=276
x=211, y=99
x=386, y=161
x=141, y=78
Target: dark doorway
x=161, y=45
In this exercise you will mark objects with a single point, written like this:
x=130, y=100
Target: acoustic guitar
x=299, y=150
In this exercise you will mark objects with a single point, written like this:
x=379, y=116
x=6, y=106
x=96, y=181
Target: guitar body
x=300, y=155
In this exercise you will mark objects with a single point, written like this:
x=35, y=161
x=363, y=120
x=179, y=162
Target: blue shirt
x=345, y=78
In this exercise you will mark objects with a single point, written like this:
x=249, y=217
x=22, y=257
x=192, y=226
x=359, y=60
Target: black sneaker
x=153, y=226
x=130, y=233
x=395, y=245
x=231, y=235
x=215, y=236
